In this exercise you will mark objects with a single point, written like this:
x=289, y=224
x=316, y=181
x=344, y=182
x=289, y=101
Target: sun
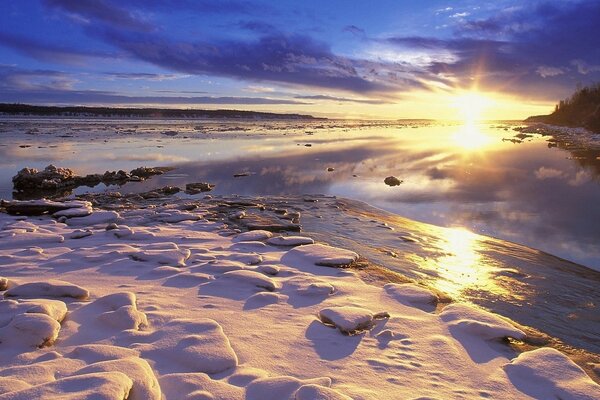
x=471, y=106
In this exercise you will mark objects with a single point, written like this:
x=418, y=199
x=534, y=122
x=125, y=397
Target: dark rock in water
x=162, y=192
x=55, y=182
x=198, y=187
x=51, y=178
x=392, y=181
x=238, y=175
x=170, y=133
x=146, y=172
x=330, y=169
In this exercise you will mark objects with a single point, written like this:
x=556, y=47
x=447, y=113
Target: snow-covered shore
x=169, y=302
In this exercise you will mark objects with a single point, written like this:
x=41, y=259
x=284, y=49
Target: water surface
x=453, y=175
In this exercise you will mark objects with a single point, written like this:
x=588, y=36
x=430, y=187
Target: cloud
x=341, y=99
x=276, y=57
x=90, y=11
x=545, y=71
x=548, y=173
x=519, y=48
x=143, y=76
x=50, y=96
x=45, y=51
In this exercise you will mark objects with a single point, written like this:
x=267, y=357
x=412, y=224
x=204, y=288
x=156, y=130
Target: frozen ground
x=170, y=302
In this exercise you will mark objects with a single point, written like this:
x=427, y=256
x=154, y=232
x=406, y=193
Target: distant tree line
x=81, y=111
x=582, y=109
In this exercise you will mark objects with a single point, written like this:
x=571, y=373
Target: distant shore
x=131, y=112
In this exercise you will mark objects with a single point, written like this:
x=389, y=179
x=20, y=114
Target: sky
x=387, y=59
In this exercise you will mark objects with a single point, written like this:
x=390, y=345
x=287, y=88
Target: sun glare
x=470, y=137
x=471, y=106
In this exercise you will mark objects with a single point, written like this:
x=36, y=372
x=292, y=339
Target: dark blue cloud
x=276, y=57
x=53, y=96
x=106, y=11
x=46, y=51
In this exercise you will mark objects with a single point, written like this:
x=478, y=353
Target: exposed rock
x=147, y=172
x=51, y=178
x=198, y=187
x=29, y=182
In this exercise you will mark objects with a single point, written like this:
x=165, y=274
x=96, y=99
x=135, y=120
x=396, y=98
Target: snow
x=193, y=309
x=290, y=240
x=547, y=373
x=99, y=386
x=348, y=320
x=412, y=295
x=320, y=254
x=252, y=236
x=51, y=288
x=473, y=321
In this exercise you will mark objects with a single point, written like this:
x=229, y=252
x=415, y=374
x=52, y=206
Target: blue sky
x=339, y=58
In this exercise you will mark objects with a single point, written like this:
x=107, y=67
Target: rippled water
x=453, y=175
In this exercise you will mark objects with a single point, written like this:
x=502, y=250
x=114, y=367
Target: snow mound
x=175, y=216
x=98, y=386
x=546, y=373
x=82, y=211
x=80, y=233
x=221, y=266
x=290, y=240
x=262, y=299
x=196, y=346
x=477, y=322
x=320, y=254
x=52, y=288
x=26, y=332
x=280, y=387
x=42, y=372
x=19, y=239
x=248, y=246
x=412, y=295
x=250, y=278
x=252, y=236
x=12, y=385
x=173, y=256
x=316, y=392
x=198, y=386
x=122, y=312
x=145, y=386
x=93, y=353
x=349, y=320
x=317, y=289
x=268, y=269
x=96, y=218
x=55, y=309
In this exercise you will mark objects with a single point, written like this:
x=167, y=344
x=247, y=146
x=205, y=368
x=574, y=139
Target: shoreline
x=182, y=213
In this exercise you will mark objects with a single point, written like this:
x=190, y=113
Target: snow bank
x=180, y=306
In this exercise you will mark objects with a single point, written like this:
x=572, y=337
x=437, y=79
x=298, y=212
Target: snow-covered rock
x=290, y=240
x=320, y=254
x=546, y=373
x=477, y=322
x=52, y=288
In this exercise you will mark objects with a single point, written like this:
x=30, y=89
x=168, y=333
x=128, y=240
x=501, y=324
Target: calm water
x=454, y=175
